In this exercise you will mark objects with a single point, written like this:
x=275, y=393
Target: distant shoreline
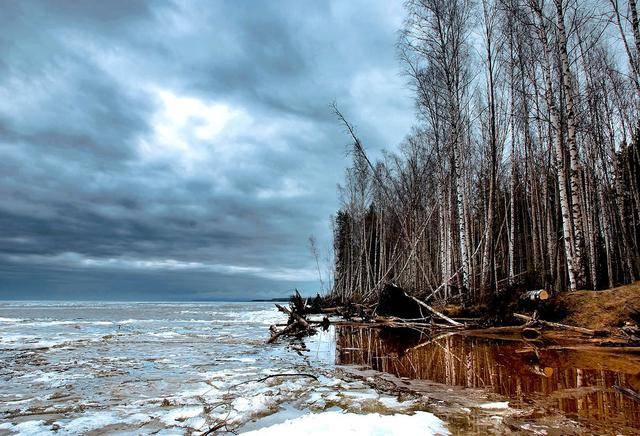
x=270, y=300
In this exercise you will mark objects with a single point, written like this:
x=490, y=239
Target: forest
x=522, y=170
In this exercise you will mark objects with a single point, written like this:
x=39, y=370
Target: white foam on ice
x=50, y=323
x=177, y=416
x=334, y=422
x=83, y=424
x=10, y=320
x=267, y=317
x=197, y=392
x=254, y=404
x=165, y=335
x=393, y=403
x=27, y=428
x=52, y=379
x=197, y=422
x=237, y=359
x=29, y=342
x=135, y=321
x=90, y=421
x=495, y=405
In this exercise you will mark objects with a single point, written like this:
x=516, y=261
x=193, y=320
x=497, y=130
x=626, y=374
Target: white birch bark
x=567, y=230
x=572, y=145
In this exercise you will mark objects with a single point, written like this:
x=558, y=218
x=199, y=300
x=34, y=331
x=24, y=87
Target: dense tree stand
x=523, y=170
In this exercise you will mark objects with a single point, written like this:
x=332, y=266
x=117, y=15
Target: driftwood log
x=297, y=325
x=289, y=329
x=557, y=325
x=293, y=315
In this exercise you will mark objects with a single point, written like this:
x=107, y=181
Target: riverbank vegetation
x=523, y=169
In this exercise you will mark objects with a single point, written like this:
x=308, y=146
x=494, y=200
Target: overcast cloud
x=183, y=150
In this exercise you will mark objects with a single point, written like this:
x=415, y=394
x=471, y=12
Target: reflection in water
x=577, y=382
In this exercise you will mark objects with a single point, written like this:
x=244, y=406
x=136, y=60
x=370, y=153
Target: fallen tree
x=532, y=320
x=296, y=326
x=397, y=309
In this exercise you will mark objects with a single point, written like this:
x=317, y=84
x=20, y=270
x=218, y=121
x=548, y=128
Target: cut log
x=545, y=371
x=557, y=325
x=539, y=295
x=631, y=331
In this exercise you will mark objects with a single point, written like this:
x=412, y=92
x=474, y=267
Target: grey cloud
x=107, y=190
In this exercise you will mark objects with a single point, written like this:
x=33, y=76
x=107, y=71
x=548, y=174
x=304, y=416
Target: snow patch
x=333, y=422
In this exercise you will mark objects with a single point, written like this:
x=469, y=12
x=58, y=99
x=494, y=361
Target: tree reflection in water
x=578, y=382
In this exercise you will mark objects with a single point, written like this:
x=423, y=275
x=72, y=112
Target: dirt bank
x=597, y=310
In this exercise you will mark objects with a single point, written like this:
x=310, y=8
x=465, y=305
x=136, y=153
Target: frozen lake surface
x=187, y=368
x=175, y=368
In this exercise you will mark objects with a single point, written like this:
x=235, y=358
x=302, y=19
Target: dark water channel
x=578, y=382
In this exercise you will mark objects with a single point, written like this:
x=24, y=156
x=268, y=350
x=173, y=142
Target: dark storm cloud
x=182, y=149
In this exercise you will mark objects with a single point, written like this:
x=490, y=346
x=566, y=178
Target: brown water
x=541, y=377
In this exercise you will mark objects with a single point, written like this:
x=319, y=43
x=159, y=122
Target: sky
x=156, y=150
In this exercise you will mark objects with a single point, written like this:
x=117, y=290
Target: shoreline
x=609, y=318
x=208, y=358
x=472, y=399
x=572, y=370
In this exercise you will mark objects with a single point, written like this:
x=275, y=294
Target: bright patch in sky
x=290, y=188
x=206, y=120
x=186, y=129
